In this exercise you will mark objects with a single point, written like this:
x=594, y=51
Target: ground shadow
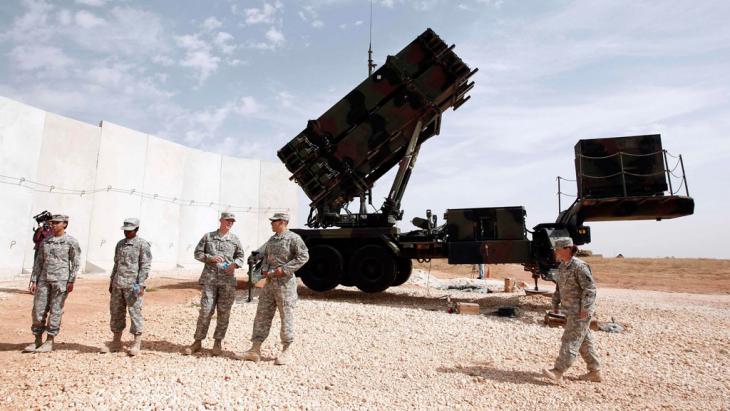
x=57, y=346
x=496, y=374
x=14, y=290
x=184, y=285
x=488, y=303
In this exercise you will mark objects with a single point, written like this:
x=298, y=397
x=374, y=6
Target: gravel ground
x=394, y=350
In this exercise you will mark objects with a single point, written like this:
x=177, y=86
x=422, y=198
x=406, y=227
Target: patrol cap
x=60, y=218
x=562, y=242
x=130, y=224
x=280, y=216
x=228, y=216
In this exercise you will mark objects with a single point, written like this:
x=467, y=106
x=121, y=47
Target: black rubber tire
x=324, y=269
x=373, y=268
x=405, y=268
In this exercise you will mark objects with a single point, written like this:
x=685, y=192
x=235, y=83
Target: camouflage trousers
x=122, y=300
x=577, y=338
x=281, y=294
x=214, y=297
x=48, y=304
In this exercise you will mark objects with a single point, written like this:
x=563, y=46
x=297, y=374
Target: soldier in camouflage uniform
x=132, y=260
x=222, y=253
x=54, y=272
x=575, y=292
x=282, y=255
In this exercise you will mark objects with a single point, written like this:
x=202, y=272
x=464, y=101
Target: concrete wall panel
x=69, y=153
x=160, y=220
x=21, y=131
x=277, y=193
x=240, y=188
x=121, y=164
x=202, y=184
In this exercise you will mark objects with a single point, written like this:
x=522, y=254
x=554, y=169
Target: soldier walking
x=222, y=253
x=54, y=272
x=283, y=254
x=132, y=260
x=575, y=292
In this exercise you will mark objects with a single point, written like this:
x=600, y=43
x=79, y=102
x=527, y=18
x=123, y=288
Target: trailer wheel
x=405, y=267
x=373, y=268
x=324, y=269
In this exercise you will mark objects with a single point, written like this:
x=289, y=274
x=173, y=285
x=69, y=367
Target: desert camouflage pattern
x=56, y=264
x=214, y=244
x=48, y=302
x=218, y=288
x=288, y=252
x=215, y=296
x=575, y=291
x=132, y=260
x=58, y=259
x=122, y=300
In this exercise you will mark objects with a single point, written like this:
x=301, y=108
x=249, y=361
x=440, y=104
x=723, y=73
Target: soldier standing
x=222, y=253
x=576, y=292
x=132, y=260
x=54, y=272
x=283, y=254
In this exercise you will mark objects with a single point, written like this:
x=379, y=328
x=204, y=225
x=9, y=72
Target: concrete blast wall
x=39, y=150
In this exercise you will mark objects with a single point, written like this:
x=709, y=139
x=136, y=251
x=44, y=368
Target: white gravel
x=395, y=350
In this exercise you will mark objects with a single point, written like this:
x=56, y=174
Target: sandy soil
x=660, y=274
x=394, y=350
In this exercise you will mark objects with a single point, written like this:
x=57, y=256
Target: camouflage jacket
x=58, y=259
x=227, y=246
x=575, y=289
x=286, y=250
x=132, y=260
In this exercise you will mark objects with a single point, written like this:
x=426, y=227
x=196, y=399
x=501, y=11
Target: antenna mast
x=371, y=65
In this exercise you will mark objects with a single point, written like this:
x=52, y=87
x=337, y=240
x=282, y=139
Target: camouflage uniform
x=56, y=265
x=218, y=287
x=132, y=259
x=288, y=252
x=575, y=291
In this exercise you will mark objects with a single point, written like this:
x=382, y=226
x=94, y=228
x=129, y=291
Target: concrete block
x=467, y=308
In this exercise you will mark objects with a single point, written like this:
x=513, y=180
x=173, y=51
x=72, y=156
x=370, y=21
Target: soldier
x=575, y=291
x=283, y=254
x=132, y=260
x=54, y=273
x=222, y=253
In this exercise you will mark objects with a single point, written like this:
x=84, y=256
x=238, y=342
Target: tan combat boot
x=136, y=345
x=35, y=345
x=46, y=346
x=217, y=348
x=284, y=356
x=592, y=376
x=194, y=347
x=113, y=346
x=553, y=374
x=253, y=353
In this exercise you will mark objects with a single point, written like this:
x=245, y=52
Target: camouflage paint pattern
x=343, y=152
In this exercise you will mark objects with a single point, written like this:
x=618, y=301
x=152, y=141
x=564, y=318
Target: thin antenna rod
x=371, y=65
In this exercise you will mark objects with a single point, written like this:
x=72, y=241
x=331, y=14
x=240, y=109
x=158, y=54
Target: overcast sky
x=243, y=77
